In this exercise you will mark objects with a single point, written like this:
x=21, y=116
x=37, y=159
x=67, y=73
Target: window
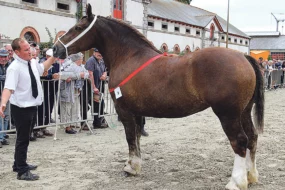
x=30, y=1
x=197, y=32
x=29, y=36
x=240, y=41
x=235, y=40
x=246, y=42
x=150, y=23
x=63, y=6
x=176, y=29
x=278, y=55
x=230, y=39
x=223, y=37
x=164, y=26
x=187, y=30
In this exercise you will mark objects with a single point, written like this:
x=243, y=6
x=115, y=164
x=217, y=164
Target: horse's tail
x=258, y=95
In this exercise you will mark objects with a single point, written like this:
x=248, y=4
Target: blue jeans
x=4, y=122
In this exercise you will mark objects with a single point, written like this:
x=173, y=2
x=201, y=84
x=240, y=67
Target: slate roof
x=268, y=43
x=176, y=11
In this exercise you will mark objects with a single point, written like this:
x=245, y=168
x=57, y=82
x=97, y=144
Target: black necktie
x=33, y=81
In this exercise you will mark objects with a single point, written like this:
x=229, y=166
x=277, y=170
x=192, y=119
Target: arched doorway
x=30, y=34
x=187, y=50
x=164, y=47
x=176, y=49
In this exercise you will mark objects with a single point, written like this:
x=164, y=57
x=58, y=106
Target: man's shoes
x=39, y=134
x=144, y=133
x=6, y=136
x=32, y=137
x=70, y=131
x=28, y=176
x=31, y=167
x=47, y=132
x=5, y=142
x=100, y=126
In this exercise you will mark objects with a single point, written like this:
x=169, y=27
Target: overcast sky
x=247, y=15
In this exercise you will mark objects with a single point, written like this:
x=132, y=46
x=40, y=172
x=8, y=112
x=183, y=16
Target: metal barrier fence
x=83, y=104
x=57, y=102
x=273, y=79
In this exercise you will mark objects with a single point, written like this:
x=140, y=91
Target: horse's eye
x=78, y=28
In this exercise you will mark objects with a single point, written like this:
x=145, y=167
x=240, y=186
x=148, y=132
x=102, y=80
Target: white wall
x=158, y=38
x=101, y=7
x=134, y=12
x=37, y=20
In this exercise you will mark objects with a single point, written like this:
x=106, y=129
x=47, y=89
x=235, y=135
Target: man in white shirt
x=23, y=89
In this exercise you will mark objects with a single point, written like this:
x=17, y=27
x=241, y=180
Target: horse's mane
x=135, y=31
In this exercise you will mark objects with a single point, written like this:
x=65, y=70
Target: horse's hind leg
x=231, y=123
x=132, y=131
x=252, y=135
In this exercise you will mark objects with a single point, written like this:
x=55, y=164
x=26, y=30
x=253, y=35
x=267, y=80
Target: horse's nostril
x=54, y=49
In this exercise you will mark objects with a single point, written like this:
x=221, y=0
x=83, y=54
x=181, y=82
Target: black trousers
x=24, y=119
x=85, y=95
x=44, y=110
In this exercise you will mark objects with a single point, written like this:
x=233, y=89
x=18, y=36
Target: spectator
x=23, y=88
x=8, y=47
x=73, y=73
x=37, y=48
x=97, y=72
x=4, y=57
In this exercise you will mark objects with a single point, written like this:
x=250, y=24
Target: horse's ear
x=89, y=11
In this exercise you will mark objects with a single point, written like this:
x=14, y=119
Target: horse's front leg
x=132, y=130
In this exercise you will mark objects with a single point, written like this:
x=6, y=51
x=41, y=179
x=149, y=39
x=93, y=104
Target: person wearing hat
x=97, y=72
x=4, y=57
x=24, y=90
x=70, y=89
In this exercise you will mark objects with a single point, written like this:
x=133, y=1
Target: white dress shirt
x=18, y=80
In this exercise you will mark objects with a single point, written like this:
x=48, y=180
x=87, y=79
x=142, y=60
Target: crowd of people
x=30, y=86
x=74, y=94
x=268, y=66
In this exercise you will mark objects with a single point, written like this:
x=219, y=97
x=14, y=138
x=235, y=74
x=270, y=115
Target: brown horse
x=171, y=87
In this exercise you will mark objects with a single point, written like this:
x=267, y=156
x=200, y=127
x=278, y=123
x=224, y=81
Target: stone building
x=169, y=25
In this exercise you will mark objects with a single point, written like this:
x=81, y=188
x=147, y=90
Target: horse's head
x=72, y=41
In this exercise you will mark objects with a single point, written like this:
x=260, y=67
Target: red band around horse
x=137, y=71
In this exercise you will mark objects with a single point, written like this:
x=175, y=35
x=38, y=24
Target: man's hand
x=82, y=74
x=68, y=80
x=45, y=73
x=104, y=76
x=95, y=90
x=2, y=109
x=55, y=76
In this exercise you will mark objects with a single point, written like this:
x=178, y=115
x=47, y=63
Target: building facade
x=171, y=26
x=268, y=45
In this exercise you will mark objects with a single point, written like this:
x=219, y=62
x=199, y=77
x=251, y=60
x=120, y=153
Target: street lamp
x=227, y=43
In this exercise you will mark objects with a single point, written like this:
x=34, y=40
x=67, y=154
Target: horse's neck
x=116, y=48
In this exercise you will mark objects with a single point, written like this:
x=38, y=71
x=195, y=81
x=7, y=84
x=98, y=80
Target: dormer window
x=176, y=29
x=150, y=24
x=187, y=31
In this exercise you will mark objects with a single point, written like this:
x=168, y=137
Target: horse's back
x=222, y=76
